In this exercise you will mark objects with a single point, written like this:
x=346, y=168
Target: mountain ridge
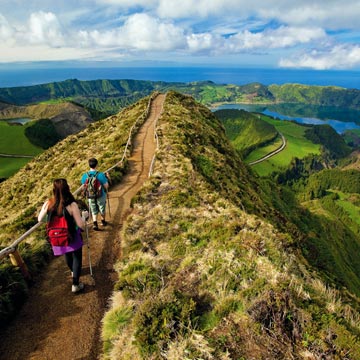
x=215, y=261
x=205, y=92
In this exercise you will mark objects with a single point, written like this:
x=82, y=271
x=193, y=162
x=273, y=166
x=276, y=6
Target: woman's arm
x=43, y=211
x=75, y=212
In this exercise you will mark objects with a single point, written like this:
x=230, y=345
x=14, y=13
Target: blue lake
x=340, y=119
x=21, y=121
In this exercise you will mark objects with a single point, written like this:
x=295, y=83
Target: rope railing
x=12, y=248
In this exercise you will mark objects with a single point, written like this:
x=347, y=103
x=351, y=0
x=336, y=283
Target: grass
x=9, y=166
x=227, y=284
x=14, y=141
x=296, y=146
x=345, y=201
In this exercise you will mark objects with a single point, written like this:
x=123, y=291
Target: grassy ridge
x=203, y=276
x=22, y=195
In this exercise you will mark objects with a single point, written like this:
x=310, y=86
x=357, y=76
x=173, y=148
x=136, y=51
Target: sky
x=310, y=34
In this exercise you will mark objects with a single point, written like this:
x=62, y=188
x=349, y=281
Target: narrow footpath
x=55, y=324
x=281, y=148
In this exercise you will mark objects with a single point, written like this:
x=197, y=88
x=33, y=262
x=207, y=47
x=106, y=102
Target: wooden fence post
x=17, y=260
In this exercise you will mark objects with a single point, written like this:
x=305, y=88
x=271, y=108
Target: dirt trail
x=56, y=324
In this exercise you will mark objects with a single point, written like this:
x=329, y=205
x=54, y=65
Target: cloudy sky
x=315, y=34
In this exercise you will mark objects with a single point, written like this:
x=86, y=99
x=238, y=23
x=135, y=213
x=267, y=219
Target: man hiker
x=95, y=186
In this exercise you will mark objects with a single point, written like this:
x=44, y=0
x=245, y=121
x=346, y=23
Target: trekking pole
x=108, y=201
x=88, y=249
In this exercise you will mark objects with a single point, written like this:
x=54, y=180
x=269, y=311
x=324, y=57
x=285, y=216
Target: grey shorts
x=98, y=205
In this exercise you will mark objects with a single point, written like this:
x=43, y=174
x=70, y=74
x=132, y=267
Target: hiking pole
x=108, y=201
x=88, y=249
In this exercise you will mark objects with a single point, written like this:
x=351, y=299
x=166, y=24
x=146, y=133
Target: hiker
x=96, y=194
x=63, y=204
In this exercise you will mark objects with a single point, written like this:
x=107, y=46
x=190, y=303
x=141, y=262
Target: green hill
x=216, y=262
x=245, y=130
x=219, y=281
x=316, y=95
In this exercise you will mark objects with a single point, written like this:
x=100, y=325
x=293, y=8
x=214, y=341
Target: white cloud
x=217, y=28
x=129, y=3
x=42, y=52
x=139, y=32
x=44, y=28
x=334, y=14
x=280, y=38
x=6, y=31
x=203, y=8
x=339, y=57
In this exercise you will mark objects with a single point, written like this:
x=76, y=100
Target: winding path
x=281, y=148
x=56, y=324
x=16, y=156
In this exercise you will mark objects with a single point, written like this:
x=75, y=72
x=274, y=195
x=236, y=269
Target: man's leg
x=94, y=211
x=102, y=209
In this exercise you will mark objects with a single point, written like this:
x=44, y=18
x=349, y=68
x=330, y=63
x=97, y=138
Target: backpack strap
x=92, y=175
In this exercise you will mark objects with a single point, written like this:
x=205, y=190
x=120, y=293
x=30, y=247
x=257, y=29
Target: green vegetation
x=297, y=146
x=352, y=137
x=216, y=263
x=205, y=274
x=14, y=141
x=9, y=166
x=246, y=131
x=331, y=141
x=106, y=95
x=42, y=133
x=22, y=195
x=316, y=95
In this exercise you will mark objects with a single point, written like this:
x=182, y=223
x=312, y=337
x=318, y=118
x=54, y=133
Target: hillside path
x=56, y=324
x=281, y=148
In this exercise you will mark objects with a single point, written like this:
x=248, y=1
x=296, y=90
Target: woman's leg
x=69, y=260
x=76, y=265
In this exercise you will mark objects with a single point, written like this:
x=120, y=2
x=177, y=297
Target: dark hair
x=62, y=196
x=93, y=163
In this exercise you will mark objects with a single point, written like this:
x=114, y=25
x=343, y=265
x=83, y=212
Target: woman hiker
x=63, y=204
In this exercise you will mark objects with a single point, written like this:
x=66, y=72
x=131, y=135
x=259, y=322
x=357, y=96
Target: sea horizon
x=14, y=77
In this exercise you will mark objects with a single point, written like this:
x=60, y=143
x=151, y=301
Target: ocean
x=11, y=77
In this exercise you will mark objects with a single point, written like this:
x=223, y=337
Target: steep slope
x=22, y=194
x=246, y=131
x=205, y=275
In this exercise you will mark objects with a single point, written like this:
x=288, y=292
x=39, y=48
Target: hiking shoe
x=103, y=222
x=95, y=225
x=77, y=288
